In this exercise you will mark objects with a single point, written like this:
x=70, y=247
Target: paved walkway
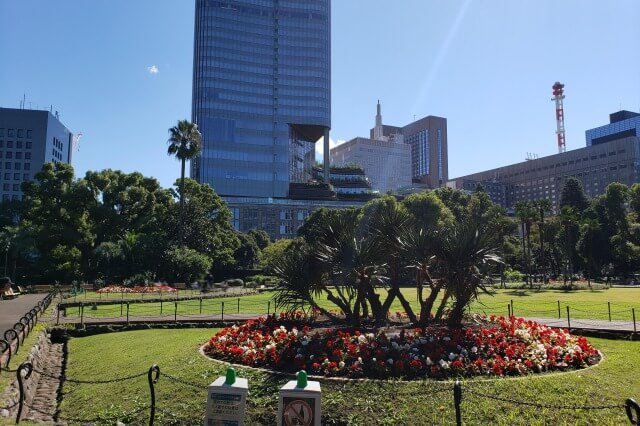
x=624, y=326
x=12, y=310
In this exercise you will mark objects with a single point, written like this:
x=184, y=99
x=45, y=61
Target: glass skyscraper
x=261, y=93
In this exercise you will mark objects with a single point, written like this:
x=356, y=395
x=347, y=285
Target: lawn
x=353, y=403
x=593, y=304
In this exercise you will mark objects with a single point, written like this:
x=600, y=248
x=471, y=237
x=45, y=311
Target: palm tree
x=185, y=144
x=526, y=214
x=543, y=206
x=462, y=253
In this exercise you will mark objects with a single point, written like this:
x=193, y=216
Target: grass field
x=591, y=304
x=108, y=356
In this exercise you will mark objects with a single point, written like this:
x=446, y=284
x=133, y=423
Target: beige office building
x=386, y=163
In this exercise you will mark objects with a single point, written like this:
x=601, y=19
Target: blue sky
x=119, y=71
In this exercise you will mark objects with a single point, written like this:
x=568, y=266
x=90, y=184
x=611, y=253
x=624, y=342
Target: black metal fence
x=630, y=406
x=162, y=309
x=15, y=336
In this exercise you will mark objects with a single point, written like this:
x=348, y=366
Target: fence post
x=79, y=308
x=633, y=312
x=222, y=316
x=512, y=312
x=160, y=306
x=457, y=399
x=81, y=313
x=238, y=305
x=559, y=315
x=121, y=308
x=568, y=319
x=268, y=307
x=58, y=319
x=175, y=311
x=127, y=313
x=153, y=379
x=200, y=305
x=29, y=367
x=609, y=309
x=509, y=310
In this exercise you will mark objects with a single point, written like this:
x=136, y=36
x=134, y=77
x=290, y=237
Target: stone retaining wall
x=40, y=391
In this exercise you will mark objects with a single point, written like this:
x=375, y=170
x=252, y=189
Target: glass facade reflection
x=261, y=92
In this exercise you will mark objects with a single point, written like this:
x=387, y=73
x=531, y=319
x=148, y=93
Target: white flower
x=362, y=339
x=341, y=364
x=474, y=350
x=390, y=361
x=360, y=360
x=428, y=361
x=452, y=356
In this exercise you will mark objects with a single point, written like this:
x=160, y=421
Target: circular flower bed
x=494, y=346
x=159, y=288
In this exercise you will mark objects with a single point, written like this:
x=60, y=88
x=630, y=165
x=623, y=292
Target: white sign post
x=299, y=402
x=226, y=401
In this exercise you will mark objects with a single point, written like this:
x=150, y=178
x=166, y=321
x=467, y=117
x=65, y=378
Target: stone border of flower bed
x=477, y=379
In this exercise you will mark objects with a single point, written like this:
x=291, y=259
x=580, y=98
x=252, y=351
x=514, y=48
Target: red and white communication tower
x=558, y=96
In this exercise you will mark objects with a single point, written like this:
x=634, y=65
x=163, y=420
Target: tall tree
x=526, y=214
x=542, y=208
x=185, y=144
x=573, y=196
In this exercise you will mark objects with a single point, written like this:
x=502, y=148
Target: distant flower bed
x=142, y=289
x=495, y=346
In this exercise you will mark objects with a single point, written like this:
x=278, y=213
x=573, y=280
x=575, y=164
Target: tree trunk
x=427, y=306
x=181, y=226
x=443, y=304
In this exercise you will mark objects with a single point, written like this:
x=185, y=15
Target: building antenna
x=558, y=96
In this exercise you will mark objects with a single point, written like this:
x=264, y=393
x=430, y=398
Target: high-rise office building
x=612, y=154
x=261, y=93
x=262, y=99
x=622, y=124
x=28, y=139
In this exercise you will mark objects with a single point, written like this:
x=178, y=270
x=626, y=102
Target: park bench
x=9, y=294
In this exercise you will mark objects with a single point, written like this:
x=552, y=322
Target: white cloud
x=153, y=69
x=320, y=147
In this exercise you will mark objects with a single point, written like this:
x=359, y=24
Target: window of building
x=16, y=187
x=26, y=177
x=29, y=133
x=20, y=133
x=18, y=155
x=5, y=197
x=7, y=165
x=1, y=144
x=27, y=156
x=16, y=176
x=6, y=186
x=19, y=144
x=9, y=144
x=28, y=145
x=7, y=176
x=1, y=132
x=27, y=166
x=16, y=166
x=11, y=133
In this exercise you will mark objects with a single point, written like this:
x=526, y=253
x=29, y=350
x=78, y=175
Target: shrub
x=235, y=282
x=512, y=275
